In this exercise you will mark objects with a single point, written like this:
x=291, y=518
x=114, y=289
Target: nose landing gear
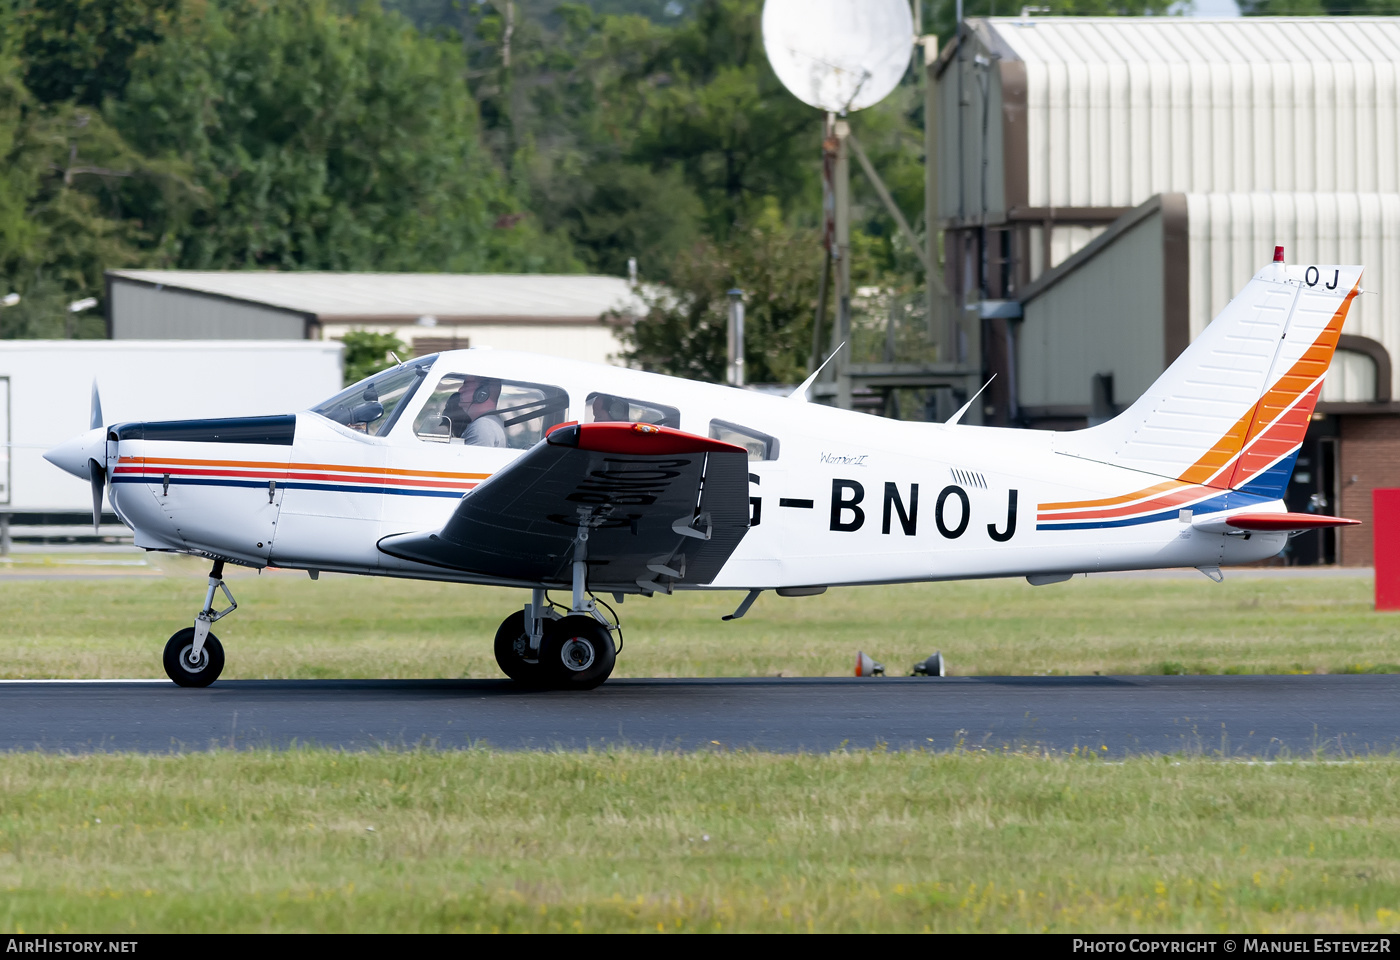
x=194, y=657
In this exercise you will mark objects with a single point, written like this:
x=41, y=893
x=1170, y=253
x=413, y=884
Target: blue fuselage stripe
x=1234, y=498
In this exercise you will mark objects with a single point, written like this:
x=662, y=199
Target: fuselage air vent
x=969, y=478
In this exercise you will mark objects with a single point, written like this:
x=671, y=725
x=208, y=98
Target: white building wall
x=1104, y=317
x=49, y=385
x=593, y=342
x=1232, y=235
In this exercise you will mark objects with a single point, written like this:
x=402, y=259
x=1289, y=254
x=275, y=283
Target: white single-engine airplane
x=492, y=467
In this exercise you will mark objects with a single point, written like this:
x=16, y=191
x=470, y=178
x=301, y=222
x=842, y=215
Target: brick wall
x=1370, y=453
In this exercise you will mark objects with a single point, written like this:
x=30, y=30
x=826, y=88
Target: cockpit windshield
x=374, y=404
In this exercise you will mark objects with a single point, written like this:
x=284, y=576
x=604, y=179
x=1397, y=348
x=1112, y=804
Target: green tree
x=63, y=172
x=324, y=140
x=712, y=104
x=367, y=353
x=685, y=330
x=81, y=50
x=635, y=135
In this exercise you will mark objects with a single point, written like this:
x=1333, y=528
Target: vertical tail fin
x=1231, y=411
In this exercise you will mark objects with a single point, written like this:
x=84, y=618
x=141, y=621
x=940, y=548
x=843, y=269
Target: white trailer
x=46, y=396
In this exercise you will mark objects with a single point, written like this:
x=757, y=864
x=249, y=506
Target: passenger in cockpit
x=472, y=412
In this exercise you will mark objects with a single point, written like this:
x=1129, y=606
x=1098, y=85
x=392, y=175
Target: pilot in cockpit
x=610, y=408
x=472, y=413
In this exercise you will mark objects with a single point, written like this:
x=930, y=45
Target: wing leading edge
x=648, y=507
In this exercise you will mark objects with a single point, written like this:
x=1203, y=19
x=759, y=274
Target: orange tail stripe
x=1111, y=501
x=1170, y=500
x=1302, y=375
x=1298, y=378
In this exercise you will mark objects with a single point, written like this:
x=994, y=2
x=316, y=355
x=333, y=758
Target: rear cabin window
x=372, y=406
x=760, y=445
x=605, y=407
x=489, y=412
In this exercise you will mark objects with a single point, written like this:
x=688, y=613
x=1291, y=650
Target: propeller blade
x=97, y=476
x=96, y=417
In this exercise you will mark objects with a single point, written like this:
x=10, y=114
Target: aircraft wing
x=645, y=506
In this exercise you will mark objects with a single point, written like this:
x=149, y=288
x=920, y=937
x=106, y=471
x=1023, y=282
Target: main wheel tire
x=512, y=651
x=180, y=668
x=577, y=653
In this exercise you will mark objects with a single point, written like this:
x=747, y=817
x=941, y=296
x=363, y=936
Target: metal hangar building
x=563, y=315
x=1115, y=181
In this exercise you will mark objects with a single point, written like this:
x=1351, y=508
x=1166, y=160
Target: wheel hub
x=577, y=654
x=521, y=646
x=190, y=662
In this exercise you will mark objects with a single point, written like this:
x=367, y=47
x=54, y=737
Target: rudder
x=1232, y=410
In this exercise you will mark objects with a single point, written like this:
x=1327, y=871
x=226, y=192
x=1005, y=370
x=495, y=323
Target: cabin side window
x=607, y=407
x=489, y=412
x=761, y=446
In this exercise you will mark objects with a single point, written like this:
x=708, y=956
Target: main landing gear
x=194, y=657
x=540, y=647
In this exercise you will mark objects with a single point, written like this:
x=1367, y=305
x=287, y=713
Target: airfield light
x=866, y=667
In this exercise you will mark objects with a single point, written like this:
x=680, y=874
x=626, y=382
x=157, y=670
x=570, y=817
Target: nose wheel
x=194, y=657
x=191, y=668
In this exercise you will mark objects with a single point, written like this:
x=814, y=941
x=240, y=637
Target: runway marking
x=51, y=680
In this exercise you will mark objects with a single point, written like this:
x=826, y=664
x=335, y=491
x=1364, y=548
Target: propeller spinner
x=86, y=457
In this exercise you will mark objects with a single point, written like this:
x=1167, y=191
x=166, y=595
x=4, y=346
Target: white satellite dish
x=839, y=55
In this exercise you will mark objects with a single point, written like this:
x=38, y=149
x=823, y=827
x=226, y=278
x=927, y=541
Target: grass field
x=288, y=626
x=309, y=840
x=479, y=840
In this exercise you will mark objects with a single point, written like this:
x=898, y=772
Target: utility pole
x=736, y=337
x=936, y=304
x=841, y=191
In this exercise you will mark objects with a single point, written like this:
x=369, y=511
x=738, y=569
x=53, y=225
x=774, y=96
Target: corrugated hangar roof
x=1242, y=40
x=1120, y=108
x=404, y=297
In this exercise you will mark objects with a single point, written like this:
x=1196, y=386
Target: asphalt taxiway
x=1239, y=716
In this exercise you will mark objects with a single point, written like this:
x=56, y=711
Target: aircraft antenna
x=800, y=394
x=968, y=406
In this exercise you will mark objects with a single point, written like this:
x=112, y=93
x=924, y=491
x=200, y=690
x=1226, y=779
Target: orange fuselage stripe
x=320, y=467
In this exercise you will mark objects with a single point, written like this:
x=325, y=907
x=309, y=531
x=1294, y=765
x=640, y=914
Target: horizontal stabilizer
x=1270, y=522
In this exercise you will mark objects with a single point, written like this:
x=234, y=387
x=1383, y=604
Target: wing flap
x=649, y=506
